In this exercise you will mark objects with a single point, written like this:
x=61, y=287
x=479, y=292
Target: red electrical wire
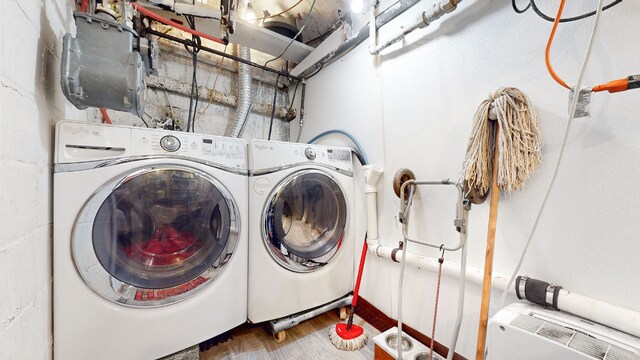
x=105, y=116
x=154, y=16
x=435, y=310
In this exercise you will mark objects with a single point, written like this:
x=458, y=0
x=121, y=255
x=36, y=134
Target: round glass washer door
x=304, y=220
x=155, y=236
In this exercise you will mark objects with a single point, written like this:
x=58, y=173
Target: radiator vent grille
x=557, y=333
x=576, y=340
x=589, y=345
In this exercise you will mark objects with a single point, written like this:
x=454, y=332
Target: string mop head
x=519, y=143
x=348, y=336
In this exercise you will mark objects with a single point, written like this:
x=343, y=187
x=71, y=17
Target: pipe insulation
x=244, y=91
x=555, y=297
x=206, y=94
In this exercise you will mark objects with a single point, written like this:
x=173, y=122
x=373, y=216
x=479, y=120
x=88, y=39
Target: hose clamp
x=521, y=282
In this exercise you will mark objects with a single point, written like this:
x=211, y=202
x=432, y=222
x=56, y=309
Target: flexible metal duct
x=244, y=91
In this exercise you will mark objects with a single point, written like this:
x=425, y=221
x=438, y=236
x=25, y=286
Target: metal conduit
x=178, y=87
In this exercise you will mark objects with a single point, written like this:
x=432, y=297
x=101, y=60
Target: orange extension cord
x=627, y=83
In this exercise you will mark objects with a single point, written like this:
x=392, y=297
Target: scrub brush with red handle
x=348, y=336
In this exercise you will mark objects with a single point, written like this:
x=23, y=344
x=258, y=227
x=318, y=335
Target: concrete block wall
x=30, y=104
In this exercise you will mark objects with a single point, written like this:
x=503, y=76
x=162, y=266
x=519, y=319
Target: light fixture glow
x=357, y=6
x=250, y=13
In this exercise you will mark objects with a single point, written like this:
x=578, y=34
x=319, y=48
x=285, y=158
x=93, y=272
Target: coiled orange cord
x=627, y=83
x=546, y=55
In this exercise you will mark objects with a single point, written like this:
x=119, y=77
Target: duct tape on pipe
x=583, y=109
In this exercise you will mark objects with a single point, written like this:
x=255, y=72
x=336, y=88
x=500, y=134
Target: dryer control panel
x=274, y=154
x=76, y=142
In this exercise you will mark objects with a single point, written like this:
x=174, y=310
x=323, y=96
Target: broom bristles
x=348, y=345
x=519, y=143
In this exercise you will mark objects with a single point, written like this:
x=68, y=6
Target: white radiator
x=526, y=332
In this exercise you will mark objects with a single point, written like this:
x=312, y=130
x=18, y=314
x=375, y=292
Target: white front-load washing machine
x=300, y=241
x=150, y=240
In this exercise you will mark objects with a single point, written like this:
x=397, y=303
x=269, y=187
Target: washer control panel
x=216, y=149
x=273, y=154
x=81, y=142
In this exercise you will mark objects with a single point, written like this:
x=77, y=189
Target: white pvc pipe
x=372, y=175
x=372, y=216
x=473, y=275
x=616, y=317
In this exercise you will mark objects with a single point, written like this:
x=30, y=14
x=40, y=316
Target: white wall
x=30, y=103
x=414, y=109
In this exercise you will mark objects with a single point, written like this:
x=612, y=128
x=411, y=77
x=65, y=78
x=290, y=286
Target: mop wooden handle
x=488, y=261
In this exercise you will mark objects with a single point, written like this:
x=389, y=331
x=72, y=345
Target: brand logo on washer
x=261, y=186
x=263, y=147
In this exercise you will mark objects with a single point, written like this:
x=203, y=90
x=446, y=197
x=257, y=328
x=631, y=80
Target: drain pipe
x=427, y=17
x=555, y=297
x=473, y=274
x=371, y=177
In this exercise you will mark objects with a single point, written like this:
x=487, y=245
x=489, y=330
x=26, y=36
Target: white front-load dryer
x=300, y=241
x=150, y=240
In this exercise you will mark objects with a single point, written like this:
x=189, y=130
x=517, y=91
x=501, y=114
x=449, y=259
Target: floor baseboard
x=382, y=322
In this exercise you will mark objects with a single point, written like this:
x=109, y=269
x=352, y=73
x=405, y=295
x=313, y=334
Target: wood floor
x=307, y=341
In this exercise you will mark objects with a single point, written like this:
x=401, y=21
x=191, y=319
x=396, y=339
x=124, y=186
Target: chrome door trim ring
x=114, y=290
x=290, y=262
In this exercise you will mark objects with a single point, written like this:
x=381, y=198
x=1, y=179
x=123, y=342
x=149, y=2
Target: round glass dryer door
x=304, y=221
x=155, y=236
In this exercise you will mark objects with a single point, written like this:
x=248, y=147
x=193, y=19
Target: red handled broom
x=348, y=336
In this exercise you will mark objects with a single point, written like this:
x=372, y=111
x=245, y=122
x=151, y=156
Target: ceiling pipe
x=427, y=17
x=385, y=17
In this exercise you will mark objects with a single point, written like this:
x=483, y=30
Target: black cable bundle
x=193, y=47
x=532, y=4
